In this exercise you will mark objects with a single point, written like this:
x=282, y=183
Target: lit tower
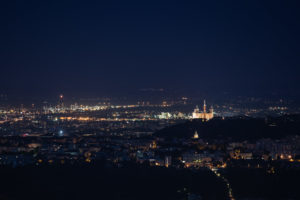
x=196, y=113
x=61, y=101
x=204, y=107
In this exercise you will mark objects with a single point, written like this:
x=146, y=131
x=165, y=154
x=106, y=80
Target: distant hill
x=236, y=127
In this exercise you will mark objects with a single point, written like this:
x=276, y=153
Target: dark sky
x=111, y=47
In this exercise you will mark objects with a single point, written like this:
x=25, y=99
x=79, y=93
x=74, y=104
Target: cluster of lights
x=277, y=108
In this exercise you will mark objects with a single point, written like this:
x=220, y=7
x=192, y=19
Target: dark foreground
x=99, y=182
x=259, y=184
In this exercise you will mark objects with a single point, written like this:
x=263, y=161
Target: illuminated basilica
x=203, y=115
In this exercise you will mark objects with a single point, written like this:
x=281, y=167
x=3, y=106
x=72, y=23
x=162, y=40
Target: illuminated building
x=153, y=145
x=203, y=115
x=165, y=115
x=196, y=136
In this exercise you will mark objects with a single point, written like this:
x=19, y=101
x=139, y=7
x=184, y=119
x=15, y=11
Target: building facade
x=204, y=114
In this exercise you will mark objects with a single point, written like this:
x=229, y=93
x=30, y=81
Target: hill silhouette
x=240, y=128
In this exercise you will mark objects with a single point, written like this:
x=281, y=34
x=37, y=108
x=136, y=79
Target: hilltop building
x=203, y=115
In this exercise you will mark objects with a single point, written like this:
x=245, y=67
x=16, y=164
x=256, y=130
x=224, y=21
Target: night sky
x=116, y=47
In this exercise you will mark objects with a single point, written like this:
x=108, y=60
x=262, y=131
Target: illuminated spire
x=204, y=106
x=196, y=136
x=196, y=110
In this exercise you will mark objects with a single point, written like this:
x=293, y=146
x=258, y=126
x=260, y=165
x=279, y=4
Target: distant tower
x=196, y=112
x=196, y=109
x=168, y=161
x=61, y=101
x=211, y=110
x=204, y=107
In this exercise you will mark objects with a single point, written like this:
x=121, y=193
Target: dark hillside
x=243, y=128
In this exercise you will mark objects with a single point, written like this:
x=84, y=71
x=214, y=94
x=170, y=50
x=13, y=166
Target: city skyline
x=131, y=100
